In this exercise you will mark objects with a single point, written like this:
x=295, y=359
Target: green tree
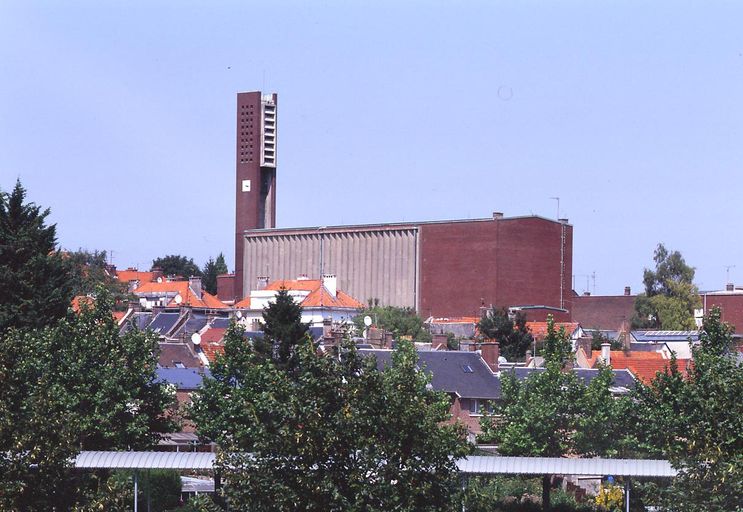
x=176, y=265
x=35, y=284
x=74, y=386
x=670, y=295
x=283, y=331
x=402, y=322
x=511, y=333
x=696, y=421
x=552, y=413
x=89, y=270
x=211, y=270
x=336, y=435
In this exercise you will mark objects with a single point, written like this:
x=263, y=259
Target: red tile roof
x=135, y=275
x=643, y=365
x=213, y=335
x=539, y=329
x=182, y=288
x=319, y=296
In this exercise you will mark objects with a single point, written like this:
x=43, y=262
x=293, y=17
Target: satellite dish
x=239, y=314
x=367, y=320
x=159, y=279
x=178, y=299
x=196, y=338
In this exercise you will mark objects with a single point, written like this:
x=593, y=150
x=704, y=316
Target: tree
x=670, y=295
x=402, y=322
x=175, y=265
x=283, y=331
x=696, y=421
x=552, y=413
x=211, y=270
x=511, y=333
x=74, y=386
x=35, y=285
x=89, y=270
x=335, y=434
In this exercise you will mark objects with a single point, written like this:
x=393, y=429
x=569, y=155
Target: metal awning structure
x=485, y=465
x=144, y=460
x=476, y=465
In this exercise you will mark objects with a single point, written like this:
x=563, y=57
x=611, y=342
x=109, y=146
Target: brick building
x=443, y=268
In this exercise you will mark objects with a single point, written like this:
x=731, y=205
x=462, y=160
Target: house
x=176, y=294
x=677, y=342
x=320, y=300
x=643, y=366
x=539, y=329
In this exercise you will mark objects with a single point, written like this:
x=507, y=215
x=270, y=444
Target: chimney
x=261, y=282
x=327, y=327
x=730, y=287
x=439, y=341
x=606, y=353
x=497, y=215
x=562, y=221
x=388, y=339
x=586, y=294
x=330, y=282
x=195, y=284
x=157, y=273
x=585, y=343
x=490, y=352
x=627, y=290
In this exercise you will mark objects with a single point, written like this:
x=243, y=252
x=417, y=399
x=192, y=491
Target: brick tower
x=255, y=186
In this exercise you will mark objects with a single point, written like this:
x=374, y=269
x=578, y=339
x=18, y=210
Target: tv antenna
x=727, y=273
x=558, y=205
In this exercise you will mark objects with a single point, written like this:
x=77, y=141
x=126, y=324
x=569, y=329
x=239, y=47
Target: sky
x=120, y=118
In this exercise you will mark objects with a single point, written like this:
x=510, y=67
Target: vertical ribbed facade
x=369, y=263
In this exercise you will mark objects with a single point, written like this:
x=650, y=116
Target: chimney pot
x=627, y=290
x=497, y=215
x=330, y=282
x=730, y=287
x=606, y=353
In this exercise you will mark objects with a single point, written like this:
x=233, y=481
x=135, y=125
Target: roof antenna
x=558, y=206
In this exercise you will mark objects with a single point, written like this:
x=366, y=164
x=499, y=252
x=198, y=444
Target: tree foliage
x=552, y=413
x=35, y=284
x=402, y=322
x=335, y=434
x=695, y=419
x=176, y=265
x=283, y=331
x=511, y=333
x=74, y=386
x=89, y=271
x=670, y=295
x=213, y=268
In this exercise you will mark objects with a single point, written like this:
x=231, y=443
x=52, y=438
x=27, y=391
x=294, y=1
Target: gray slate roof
x=449, y=373
x=622, y=378
x=183, y=378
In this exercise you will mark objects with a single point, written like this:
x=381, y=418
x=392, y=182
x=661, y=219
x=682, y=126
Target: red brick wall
x=603, y=312
x=226, y=288
x=731, y=307
x=504, y=262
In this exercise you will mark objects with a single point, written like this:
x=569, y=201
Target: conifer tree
x=283, y=331
x=35, y=283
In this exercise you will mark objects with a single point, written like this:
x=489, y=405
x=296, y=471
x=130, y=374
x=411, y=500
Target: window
x=479, y=407
x=467, y=368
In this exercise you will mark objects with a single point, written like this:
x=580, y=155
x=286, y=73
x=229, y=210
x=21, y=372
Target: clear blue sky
x=119, y=116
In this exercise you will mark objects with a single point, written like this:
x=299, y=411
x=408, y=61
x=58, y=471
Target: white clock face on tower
x=246, y=185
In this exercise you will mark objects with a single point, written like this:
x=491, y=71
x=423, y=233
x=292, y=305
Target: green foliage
x=200, y=503
x=402, y=322
x=89, y=271
x=35, y=284
x=696, y=421
x=557, y=347
x=512, y=334
x=74, y=386
x=597, y=339
x=283, y=330
x=211, y=270
x=333, y=434
x=515, y=494
x=670, y=295
x=176, y=265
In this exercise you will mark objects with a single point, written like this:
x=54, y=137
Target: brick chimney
x=627, y=290
x=490, y=352
x=438, y=341
x=585, y=343
x=730, y=287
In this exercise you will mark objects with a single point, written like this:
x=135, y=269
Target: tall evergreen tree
x=512, y=333
x=211, y=270
x=283, y=330
x=35, y=283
